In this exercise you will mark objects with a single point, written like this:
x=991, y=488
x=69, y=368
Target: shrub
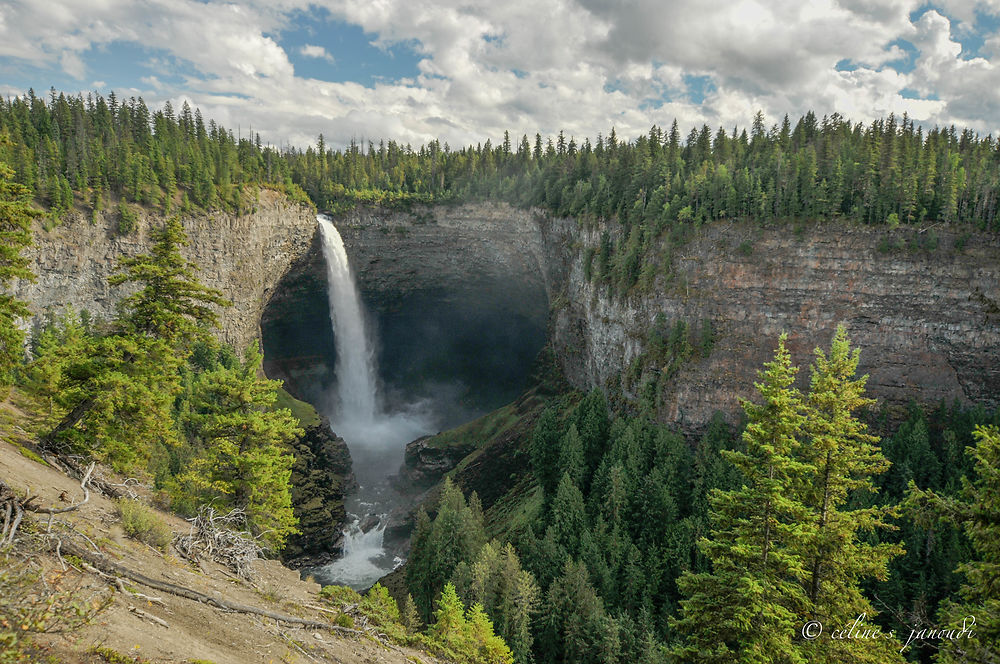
x=30, y=605
x=128, y=220
x=141, y=523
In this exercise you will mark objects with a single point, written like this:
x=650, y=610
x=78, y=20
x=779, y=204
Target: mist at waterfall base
x=376, y=433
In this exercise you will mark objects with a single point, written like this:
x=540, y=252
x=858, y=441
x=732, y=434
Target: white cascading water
x=376, y=439
x=355, y=359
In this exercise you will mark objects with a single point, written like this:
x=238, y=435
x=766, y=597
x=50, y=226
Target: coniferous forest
x=643, y=545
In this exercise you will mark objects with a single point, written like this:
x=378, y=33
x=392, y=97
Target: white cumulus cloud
x=311, y=51
x=540, y=65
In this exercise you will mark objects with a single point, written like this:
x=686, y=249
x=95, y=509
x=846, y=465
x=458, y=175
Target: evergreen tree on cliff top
x=16, y=214
x=749, y=607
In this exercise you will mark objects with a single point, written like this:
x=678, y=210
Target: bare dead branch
x=63, y=510
x=221, y=539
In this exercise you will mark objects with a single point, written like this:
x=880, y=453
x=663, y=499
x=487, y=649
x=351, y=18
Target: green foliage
x=632, y=523
x=244, y=461
x=16, y=214
x=409, y=615
x=845, y=459
x=112, y=656
x=125, y=387
x=466, y=639
x=974, y=510
x=438, y=546
x=303, y=412
x=142, y=523
x=545, y=450
x=787, y=547
x=376, y=606
x=576, y=626
x=171, y=304
x=506, y=592
x=748, y=605
x=128, y=219
x=928, y=450
x=156, y=392
x=630, y=193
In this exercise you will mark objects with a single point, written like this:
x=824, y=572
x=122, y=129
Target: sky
x=463, y=72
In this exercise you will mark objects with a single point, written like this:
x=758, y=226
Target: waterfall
x=355, y=357
x=376, y=438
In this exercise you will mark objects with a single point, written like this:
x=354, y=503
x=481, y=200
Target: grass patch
x=302, y=411
x=515, y=510
x=140, y=522
x=29, y=454
x=479, y=432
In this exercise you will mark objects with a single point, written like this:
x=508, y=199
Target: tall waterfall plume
x=376, y=436
x=355, y=356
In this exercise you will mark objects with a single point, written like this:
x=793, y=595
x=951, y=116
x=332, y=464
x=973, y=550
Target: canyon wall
x=924, y=306
x=924, y=312
x=243, y=256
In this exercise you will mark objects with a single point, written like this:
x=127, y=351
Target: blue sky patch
x=698, y=87
x=354, y=57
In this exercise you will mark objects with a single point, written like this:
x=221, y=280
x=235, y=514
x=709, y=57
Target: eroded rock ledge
x=926, y=319
x=243, y=256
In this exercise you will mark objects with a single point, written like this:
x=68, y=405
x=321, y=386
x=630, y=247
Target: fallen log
x=107, y=566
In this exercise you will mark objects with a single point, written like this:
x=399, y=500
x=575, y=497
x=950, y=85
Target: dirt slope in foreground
x=194, y=631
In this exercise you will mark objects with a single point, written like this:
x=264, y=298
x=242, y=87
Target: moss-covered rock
x=320, y=478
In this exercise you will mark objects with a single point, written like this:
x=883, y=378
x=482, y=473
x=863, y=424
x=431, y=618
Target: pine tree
x=569, y=518
x=246, y=462
x=576, y=627
x=489, y=648
x=154, y=329
x=975, y=510
x=409, y=615
x=449, y=626
x=571, y=456
x=438, y=547
x=16, y=214
x=171, y=304
x=748, y=608
x=845, y=458
x=545, y=451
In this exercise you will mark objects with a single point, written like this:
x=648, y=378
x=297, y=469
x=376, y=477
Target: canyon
x=463, y=298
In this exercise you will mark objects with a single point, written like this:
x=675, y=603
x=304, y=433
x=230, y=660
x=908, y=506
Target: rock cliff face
x=320, y=478
x=927, y=320
x=458, y=297
x=243, y=256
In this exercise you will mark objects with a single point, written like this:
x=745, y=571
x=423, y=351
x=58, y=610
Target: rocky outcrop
x=321, y=477
x=243, y=256
x=425, y=464
x=924, y=313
